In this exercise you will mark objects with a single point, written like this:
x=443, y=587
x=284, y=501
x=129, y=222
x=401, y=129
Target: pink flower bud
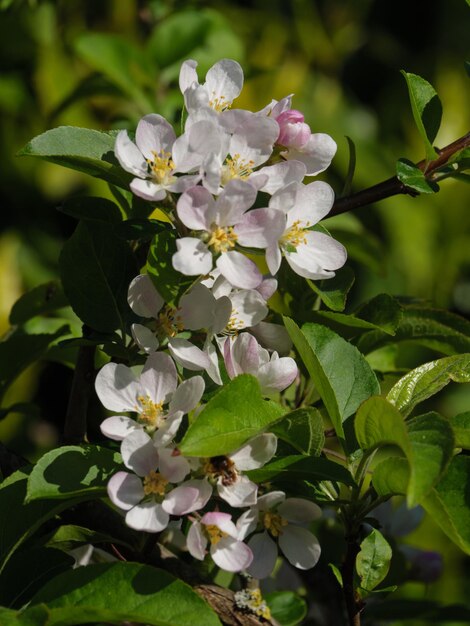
x=293, y=132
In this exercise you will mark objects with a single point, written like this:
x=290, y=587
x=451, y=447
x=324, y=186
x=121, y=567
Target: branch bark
x=392, y=186
x=353, y=604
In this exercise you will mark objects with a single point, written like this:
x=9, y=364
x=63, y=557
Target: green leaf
x=391, y=476
x=80, y=149
x=92, y=209
x=233, y=416
x=69, y=536
x=302, y=429
x=427, y=110
x=120, y=61
x=341, y=374
x=286, y=607
x=410, y=175
x=379, y=423
x=294, y=468
x=116, y=592
x=447, y=504
x=19, y=350
x=426, y=380
x=373, y=561
x=351, y=168
x=96, y=269
x=333, y=292
x=461, y=427
x=22, y=519
x=40, y=300
x=138, y=228
x=72, y=471
x=159, y=267
x=434, y=328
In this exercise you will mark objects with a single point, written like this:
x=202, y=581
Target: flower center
x=150, y=413
x=234, y=324
x=214, y=533
x=236, y=167
x=219, y=104
x=161, y=167
x=155, y=484
x=221, y=467
x=170, y=322
x=222, y=238
x=294, y=236
x=273, y=523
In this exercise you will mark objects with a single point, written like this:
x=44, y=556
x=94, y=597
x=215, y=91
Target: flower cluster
x=232, y=184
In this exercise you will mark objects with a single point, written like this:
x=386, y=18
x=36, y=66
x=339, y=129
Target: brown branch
x=75, y=425
x=392, y=186
x=222, y=601
x=352, y=601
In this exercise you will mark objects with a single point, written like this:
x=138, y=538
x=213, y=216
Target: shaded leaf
x=373, y=561
x=40, y=300
x=333, y=292
x=159, y=267
x=461, y=427
x=302, y=429
x=286, y=607
x=296, y=467
x=411, y=176
x=92, y=209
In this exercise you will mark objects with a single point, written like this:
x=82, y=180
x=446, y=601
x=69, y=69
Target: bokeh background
x=103, y=64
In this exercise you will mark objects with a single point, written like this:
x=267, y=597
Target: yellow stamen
x=236, y=167
x=161, y=167
x=150, y=413
x=155, y=484
x=222, y=239
x=214, y=533
x=295, y=235
x=273, y=523
x=219, y=104
x=234, y=324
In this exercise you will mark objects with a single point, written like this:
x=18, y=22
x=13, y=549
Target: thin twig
x=353, y=604
x=82, y=385
x=392, y=186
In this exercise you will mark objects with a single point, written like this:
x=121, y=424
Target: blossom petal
x=125, y=490
x=222, y=314
x=301, y=548
x=213, y=370
x=118, y=427
x=187, y=395
x=249, y=307
x=223, y=521
x=256, y=453
x=316, y=155
x=200, y=140
x=260, y=228
x=317, y=257
x=270, y=500
x=117, y=387
x=239, y=270
x=272, y=336
x=264, y=555
x=299, y=510
x=277, y=375
x=224, y=80
x=244, y=355
x=253, y=140
x=154, y=135
x=159, y=377
x=147, y=189
x=144, y=338
x=231, y=555
x=236, y=198
x=143, y=298
x=148, y=516
x=172, y=465
x=267, y=288
x=129, y=156
x=196, y=541
x=196, y=307
x=192, y=257
x=312, y=203
x=280, y=175
x=139, y=453
x=273, y=257
x=188, y=75
x=188, y=355
x=241, y=493
x=195, y=208
x=188, y=497
x=167, y=432
x=247, y=522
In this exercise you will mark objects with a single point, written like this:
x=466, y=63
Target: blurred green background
x=105, y=64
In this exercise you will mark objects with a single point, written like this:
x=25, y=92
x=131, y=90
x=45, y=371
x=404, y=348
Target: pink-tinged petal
x=154, y=134
x=313, y=202
x=188, y=497
x=267, y=288
x=200, y=140
x=139, y=453
x=294, y=132
x=260, y=228
x=188, y=75
x=224, y=80
x=118, y=427
x=192, y=257
x=280, y=106
x=264, y=555
x=195, y=208
x=253, y=140
x=272, y=336
x=285, y=198
x=330, y=253
x=173, y=466
x=273, y=258
x=239, y=270
x=211, y=171
x=125, y=490
x=316, y=155
x=236, y=198
x=249, y=307
x=159, y=377
x=258, y=180
x=147, y=190
x=247, y=522
x=222, y=521
x=299, y=510
x=232, y=368
x=183, y=183
x=213, y=370
x=301, y=548
x=231, y=555
x=188, y=355
x=144, y=338
x=245, y=355
x=270, y=500
x=148, y=516
x=280, y=175
x=196, y=307
x=196, y=541
x=117, y=387
x=222, y=314
x=256, y=453
x=187, y=395
x=241, y=493
x=230, y=119
x=167, y=432
x=129, y=156
x=277, y=375
x=143, y=298
x=196, y=100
